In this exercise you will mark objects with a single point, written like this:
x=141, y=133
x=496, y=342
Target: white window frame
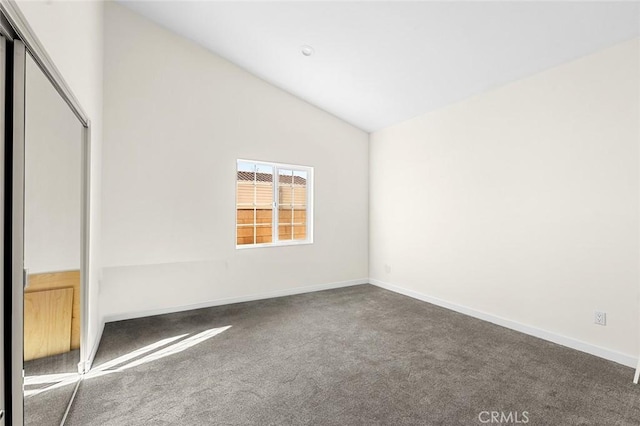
x=274, y=222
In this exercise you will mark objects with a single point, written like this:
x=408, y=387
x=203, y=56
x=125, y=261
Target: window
x=273, y=204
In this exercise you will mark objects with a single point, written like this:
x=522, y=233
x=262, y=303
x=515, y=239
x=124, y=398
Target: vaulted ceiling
x=379, y=63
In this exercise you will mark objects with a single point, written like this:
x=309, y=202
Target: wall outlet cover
x=600, y=318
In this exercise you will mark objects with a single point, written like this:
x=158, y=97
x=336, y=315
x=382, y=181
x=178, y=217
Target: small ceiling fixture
x=307, y=50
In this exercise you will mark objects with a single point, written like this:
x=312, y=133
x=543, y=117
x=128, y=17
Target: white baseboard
x=598, y=351
x=231, y=300
x=92, y=355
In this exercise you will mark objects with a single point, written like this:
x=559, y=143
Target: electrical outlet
x=387, y=268
x=600, y=318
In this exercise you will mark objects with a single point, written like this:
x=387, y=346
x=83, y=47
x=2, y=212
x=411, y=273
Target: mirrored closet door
x=48, y=245
x=52, y=249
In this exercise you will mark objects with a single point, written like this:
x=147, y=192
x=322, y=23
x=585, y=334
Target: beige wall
x=72, y=34
x=177, y=118
x=521, y=203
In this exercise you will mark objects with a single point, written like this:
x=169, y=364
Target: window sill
x=282, y=244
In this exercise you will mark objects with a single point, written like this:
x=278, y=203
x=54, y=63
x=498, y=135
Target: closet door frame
x=3, y=70
x=17, y=236
x=7, y=36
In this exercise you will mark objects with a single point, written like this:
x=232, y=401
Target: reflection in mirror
x=52, y=250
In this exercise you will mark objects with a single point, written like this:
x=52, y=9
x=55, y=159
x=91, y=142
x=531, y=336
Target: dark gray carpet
x=48, y=408
x=62, y=363
x=354, y=356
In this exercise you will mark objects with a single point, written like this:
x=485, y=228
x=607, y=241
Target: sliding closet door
x=53, y=152
x=48, y=245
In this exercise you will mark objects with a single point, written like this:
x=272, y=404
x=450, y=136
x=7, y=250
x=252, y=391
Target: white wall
x=53, y=178
x=176, y=119
x=521, y=202
x=72, y=34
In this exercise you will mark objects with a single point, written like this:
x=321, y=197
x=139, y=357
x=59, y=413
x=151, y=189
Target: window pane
x=285, y=232
x=264, y=234
x=244, y=235
x=285, y=190
x=285, y=216
x=300, y=215
x=244, y=166
x=300, y=232
x=292, y=200
x=254, y=203
x=299, y=188
x=244, y=193
x=264, y=216
x=244, y=217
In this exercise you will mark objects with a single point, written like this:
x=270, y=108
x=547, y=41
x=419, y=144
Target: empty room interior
x=320, y=213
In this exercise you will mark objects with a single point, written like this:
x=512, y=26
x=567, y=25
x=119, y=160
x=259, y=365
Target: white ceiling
x=379, y=63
